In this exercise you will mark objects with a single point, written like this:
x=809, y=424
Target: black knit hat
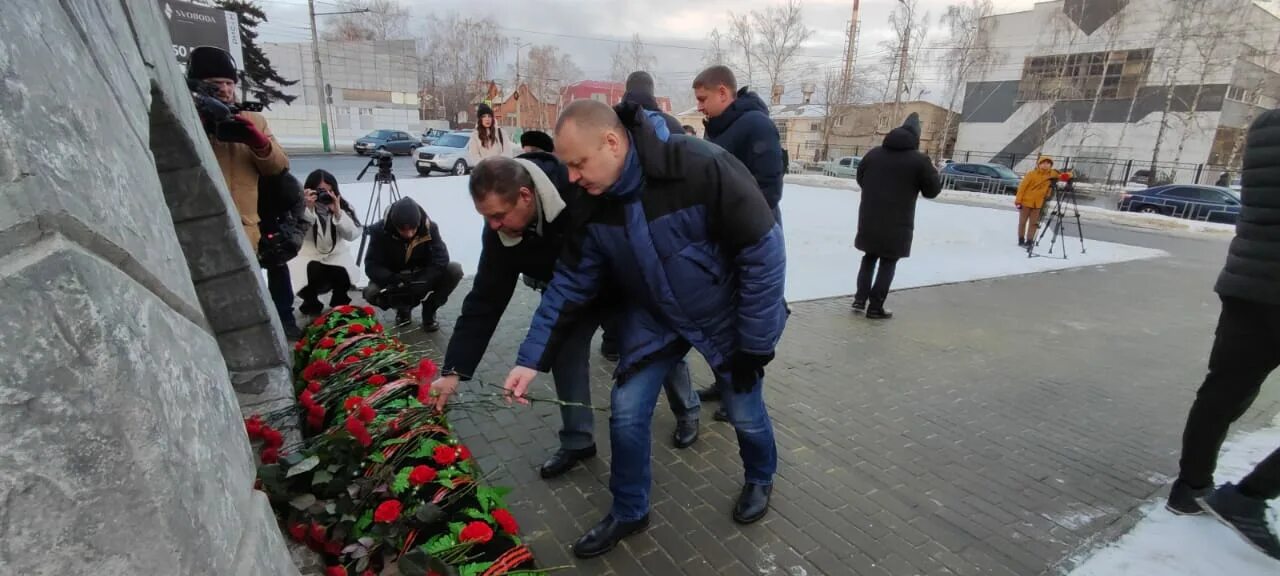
x=483, y=110
x=210, y=62
x=539, y=140
x=404, y=213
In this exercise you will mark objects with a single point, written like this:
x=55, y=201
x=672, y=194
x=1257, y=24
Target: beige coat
x=476, y=152
x=241, y=167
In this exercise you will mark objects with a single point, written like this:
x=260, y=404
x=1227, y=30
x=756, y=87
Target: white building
x=373, y=85
x=1092, y=79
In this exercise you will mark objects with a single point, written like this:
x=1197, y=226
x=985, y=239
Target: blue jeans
x=572, y=373
x=630, y=424
x=280, y=285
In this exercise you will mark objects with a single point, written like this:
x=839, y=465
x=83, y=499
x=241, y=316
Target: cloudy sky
x=676, y=30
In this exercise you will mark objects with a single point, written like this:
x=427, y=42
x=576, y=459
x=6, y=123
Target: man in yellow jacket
x=1033, y=192
x=245, y=150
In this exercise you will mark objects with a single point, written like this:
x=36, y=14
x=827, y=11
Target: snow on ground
x=953, y=243
x=1165, y=544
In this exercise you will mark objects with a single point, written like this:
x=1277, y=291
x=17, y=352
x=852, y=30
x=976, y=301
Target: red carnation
x=352, y=403
x=424, y=392
x=377, y=328
x=478, y=532
x=327, y=342
x=444, y=455
x=364, y=438
x=464, y=453
x=506, y=521
x=299, y=532
x=271, y=437
x=318, y=369
x=313, y=386
x=421, y=475
x=377, y=380
x=315, y=411
x=315, y=422
x=253, y=427
x=349, y=360
x=426, y=370
x=270, y=456
x=366, y=351
x=367, y=413
x=297, y=346
x=345, y=309
x=317, y=532
x=355, y=329
x=305, y=399
x=333, y=548
x=387, y=512
x=318, y=321
x=335, y=571
x=354, y=426
x=381, y=346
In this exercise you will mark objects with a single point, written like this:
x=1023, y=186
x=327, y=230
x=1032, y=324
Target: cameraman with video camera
x=246, y=151
x=407, y=259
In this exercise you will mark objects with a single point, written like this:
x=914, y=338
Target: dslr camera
x=404, y=293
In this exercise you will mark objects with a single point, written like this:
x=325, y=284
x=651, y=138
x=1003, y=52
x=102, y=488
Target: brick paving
x=993, y=427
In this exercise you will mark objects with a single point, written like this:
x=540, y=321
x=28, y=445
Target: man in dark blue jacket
x=406, y=261
x=738, y=121
x=680, y=230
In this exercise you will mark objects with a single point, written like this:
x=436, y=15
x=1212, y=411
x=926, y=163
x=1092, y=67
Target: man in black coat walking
x=1245, y=351
x=406, y=261
x=892, y=176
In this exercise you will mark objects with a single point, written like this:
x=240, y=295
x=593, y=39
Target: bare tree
x=967, y=51
x=383, y=20
x=463, y=61
x=780, y=30
x=1263, y=84
x=544, y=70
x=902, y=55
x=718, y=49
x=629, y=57
x=1216, y=22
x=743, y=37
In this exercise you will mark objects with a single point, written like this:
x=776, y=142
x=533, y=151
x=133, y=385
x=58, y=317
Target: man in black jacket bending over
x=406, y=261
x=532, y=214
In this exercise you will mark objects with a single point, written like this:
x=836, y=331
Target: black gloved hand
x=747, y=370
x=240, y=129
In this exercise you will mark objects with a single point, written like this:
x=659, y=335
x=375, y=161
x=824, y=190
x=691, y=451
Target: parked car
x=447, y=154
x=844, y=167
x=1192, y=201
x=393, y=141
x=431, y=135
x=980, y=177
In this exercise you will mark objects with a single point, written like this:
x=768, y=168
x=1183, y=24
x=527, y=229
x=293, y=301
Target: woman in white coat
x=325, y=263
x=488, y=140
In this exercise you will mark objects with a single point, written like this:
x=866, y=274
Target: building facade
x=1118, y=83
x=608, y=92
x=523, y=108
x=372, y=85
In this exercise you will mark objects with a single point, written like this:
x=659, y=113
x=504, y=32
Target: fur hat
x=210, y=62
x=539, y=140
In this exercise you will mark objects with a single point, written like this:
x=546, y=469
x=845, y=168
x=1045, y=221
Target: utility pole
x=902, y=63
x=323, y=97
x=515, y=93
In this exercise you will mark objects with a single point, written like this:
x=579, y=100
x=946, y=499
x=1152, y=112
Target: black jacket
x=501, y=266
x=281, y=206
x=425, y=256
x=1252, y=271
x=648, y=102
x=745, y=130
x=892, y=177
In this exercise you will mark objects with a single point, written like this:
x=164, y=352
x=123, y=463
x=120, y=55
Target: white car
x=447, y=154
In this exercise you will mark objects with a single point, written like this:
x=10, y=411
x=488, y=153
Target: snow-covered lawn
x=952, y=243
x=1165, y=544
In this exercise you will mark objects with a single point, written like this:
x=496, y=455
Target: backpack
x=281, y=206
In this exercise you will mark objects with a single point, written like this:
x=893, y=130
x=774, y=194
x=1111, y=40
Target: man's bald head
x=593, y=144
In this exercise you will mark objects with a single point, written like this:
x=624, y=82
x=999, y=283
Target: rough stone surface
x=123, y=450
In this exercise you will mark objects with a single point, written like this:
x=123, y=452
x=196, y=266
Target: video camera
x=384, y=160
x=213, y=111
x=404, y=293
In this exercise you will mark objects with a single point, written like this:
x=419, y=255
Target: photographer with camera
x=246, y=151
x=406, y=261
x=325, y=262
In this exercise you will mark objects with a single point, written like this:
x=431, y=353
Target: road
x=345, y=167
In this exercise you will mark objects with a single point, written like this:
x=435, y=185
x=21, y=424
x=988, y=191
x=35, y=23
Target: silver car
x=447, y=154
x=845, y=167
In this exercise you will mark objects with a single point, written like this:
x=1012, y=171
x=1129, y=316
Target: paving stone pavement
x=993, y=427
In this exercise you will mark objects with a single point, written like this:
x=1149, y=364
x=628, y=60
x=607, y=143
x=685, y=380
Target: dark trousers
x=1245, y=351
x=323, y=278
x=281, y=288
x=879, y=290
x=435, y=294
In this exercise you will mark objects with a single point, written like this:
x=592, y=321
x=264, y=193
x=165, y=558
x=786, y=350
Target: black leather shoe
x=563, y=460
x=752, y=504
x=709, y=394
x=878, y=313
x=604, y=536
x=686, y=434
x=429, y=322
x=859, y=305
x=720, y=416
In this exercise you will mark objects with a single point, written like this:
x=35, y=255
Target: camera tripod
x=384, y=177
x=1057, y=221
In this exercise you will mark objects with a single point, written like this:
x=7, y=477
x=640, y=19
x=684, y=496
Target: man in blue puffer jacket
x=681, y=230
x=738, y=121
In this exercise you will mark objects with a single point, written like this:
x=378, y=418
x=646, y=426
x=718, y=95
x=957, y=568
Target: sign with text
x=193, y=25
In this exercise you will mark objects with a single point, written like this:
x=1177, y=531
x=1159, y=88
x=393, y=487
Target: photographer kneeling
x=406, y=261
x=325, y=262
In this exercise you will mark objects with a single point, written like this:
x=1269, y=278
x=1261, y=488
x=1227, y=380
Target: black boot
x=686, y=433
x=429, y=322
x=291, y=330
x=1183, y=499
x=311, y=307
x=339, y=298
x=709, y=394
x=1246, y=516
x=876, y=311
x=563, y=460
x=604, y=536
x=403, y=316
x=859, y=304
x=752, y=504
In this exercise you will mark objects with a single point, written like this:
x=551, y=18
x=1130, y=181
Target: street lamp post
x=322, y=94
